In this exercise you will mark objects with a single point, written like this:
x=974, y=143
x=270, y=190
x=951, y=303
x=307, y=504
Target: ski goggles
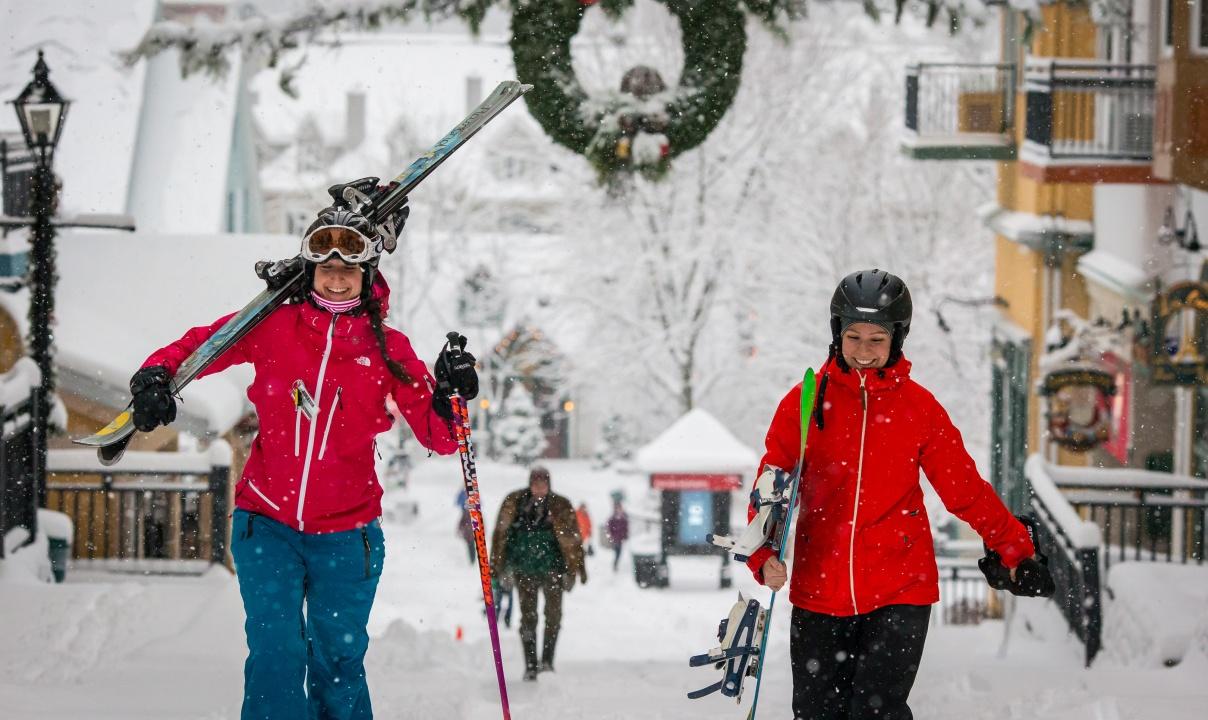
x=350, y=244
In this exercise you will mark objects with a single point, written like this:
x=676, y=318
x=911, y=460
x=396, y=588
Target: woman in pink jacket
x=306, y=536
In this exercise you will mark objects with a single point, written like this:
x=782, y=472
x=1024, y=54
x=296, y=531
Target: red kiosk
x=696, y=464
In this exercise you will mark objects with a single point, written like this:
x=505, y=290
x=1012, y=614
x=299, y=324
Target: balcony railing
x=959, y=111
x=1088, y=111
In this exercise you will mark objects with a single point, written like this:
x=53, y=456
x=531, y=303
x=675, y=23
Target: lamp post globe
x=41, y=110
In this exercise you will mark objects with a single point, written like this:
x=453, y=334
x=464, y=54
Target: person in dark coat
x=618, y=532
x=536, y=545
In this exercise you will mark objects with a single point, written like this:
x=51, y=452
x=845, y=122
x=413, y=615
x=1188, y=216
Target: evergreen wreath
x=645, y=125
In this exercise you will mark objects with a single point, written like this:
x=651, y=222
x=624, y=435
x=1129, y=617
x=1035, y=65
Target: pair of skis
x=744, y=633
x=363, y=196
x=377, y=204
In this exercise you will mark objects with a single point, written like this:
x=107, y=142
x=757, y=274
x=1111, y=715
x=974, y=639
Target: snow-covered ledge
x=133, y=462
x=1084, y=535
x=1118, y=276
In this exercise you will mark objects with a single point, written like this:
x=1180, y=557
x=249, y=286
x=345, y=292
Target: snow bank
x=1155, y=612
x=16, y=384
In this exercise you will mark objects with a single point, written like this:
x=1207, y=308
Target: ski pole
x=469, y=474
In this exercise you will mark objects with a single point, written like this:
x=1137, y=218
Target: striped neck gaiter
x=334, y=307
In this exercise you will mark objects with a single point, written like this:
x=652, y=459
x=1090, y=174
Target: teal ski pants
x=307, y=599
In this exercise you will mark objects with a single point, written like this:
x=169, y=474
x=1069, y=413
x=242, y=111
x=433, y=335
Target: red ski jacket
x=311, y=465
x=863, y=540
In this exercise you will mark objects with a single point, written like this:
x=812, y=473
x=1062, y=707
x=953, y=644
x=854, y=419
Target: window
x=1167, y=26
x=17, y=168
x=1199, y=27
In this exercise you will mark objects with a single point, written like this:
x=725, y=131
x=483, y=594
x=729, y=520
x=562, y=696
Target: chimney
x=354, y=129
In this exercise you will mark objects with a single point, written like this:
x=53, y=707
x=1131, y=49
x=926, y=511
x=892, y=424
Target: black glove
x=153, y=401
x=997, y=574
x=277, y=274
x=1032, y=577
x=442, y=405
x=455, y=370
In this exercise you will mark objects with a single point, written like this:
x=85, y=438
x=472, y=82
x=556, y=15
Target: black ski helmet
x=871, y=296
x=335, y=216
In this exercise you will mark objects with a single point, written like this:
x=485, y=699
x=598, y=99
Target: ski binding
x=771, y=498
x=741, y=634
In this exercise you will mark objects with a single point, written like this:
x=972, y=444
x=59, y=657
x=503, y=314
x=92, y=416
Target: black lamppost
x=41, y=111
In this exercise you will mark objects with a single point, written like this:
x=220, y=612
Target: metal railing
x=959, y=99
x=154, y=511
x=1089, y=110
x=965, y=598
x=1145, y=515
x=1072, y=546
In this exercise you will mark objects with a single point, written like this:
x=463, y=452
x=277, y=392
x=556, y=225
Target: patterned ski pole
x=461, y=431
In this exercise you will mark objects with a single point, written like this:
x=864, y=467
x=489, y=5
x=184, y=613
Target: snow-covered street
x=106, y=647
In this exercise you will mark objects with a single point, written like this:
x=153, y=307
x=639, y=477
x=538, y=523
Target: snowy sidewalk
x=172, y=648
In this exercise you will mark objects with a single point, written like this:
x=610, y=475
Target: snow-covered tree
x=517, y=428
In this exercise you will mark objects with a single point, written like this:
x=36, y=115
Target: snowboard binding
x=741, y=634
x=770, y=498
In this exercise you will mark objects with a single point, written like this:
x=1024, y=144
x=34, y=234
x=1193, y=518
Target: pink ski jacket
x=863, y=540
x=320, y=394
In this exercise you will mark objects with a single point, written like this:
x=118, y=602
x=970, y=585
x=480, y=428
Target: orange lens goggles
x=346, y=242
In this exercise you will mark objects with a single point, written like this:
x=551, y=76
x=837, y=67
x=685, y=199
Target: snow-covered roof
x=80, y=40
x=386, y=68
x=380, y=66
x=120, y=297
x=696, y=443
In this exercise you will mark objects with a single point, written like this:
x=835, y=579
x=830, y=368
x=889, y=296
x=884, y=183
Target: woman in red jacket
x=864, y=570
x=305, y=532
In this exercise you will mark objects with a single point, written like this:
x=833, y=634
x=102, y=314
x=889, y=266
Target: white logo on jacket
x=363, y=360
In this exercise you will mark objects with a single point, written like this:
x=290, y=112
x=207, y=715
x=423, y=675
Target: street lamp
x=41, y=111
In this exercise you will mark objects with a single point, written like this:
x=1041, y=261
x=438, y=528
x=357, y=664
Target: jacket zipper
x=263, y=497
x=851, y=548
x=310, y=442
x=365, y=540
x=330, y=415
x=298, y=432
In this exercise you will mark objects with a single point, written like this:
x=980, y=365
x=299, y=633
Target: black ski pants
x=859, y=667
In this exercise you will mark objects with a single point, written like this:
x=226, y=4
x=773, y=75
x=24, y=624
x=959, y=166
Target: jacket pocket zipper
x=330, y=415
x=263, y=497
x=365, y=540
